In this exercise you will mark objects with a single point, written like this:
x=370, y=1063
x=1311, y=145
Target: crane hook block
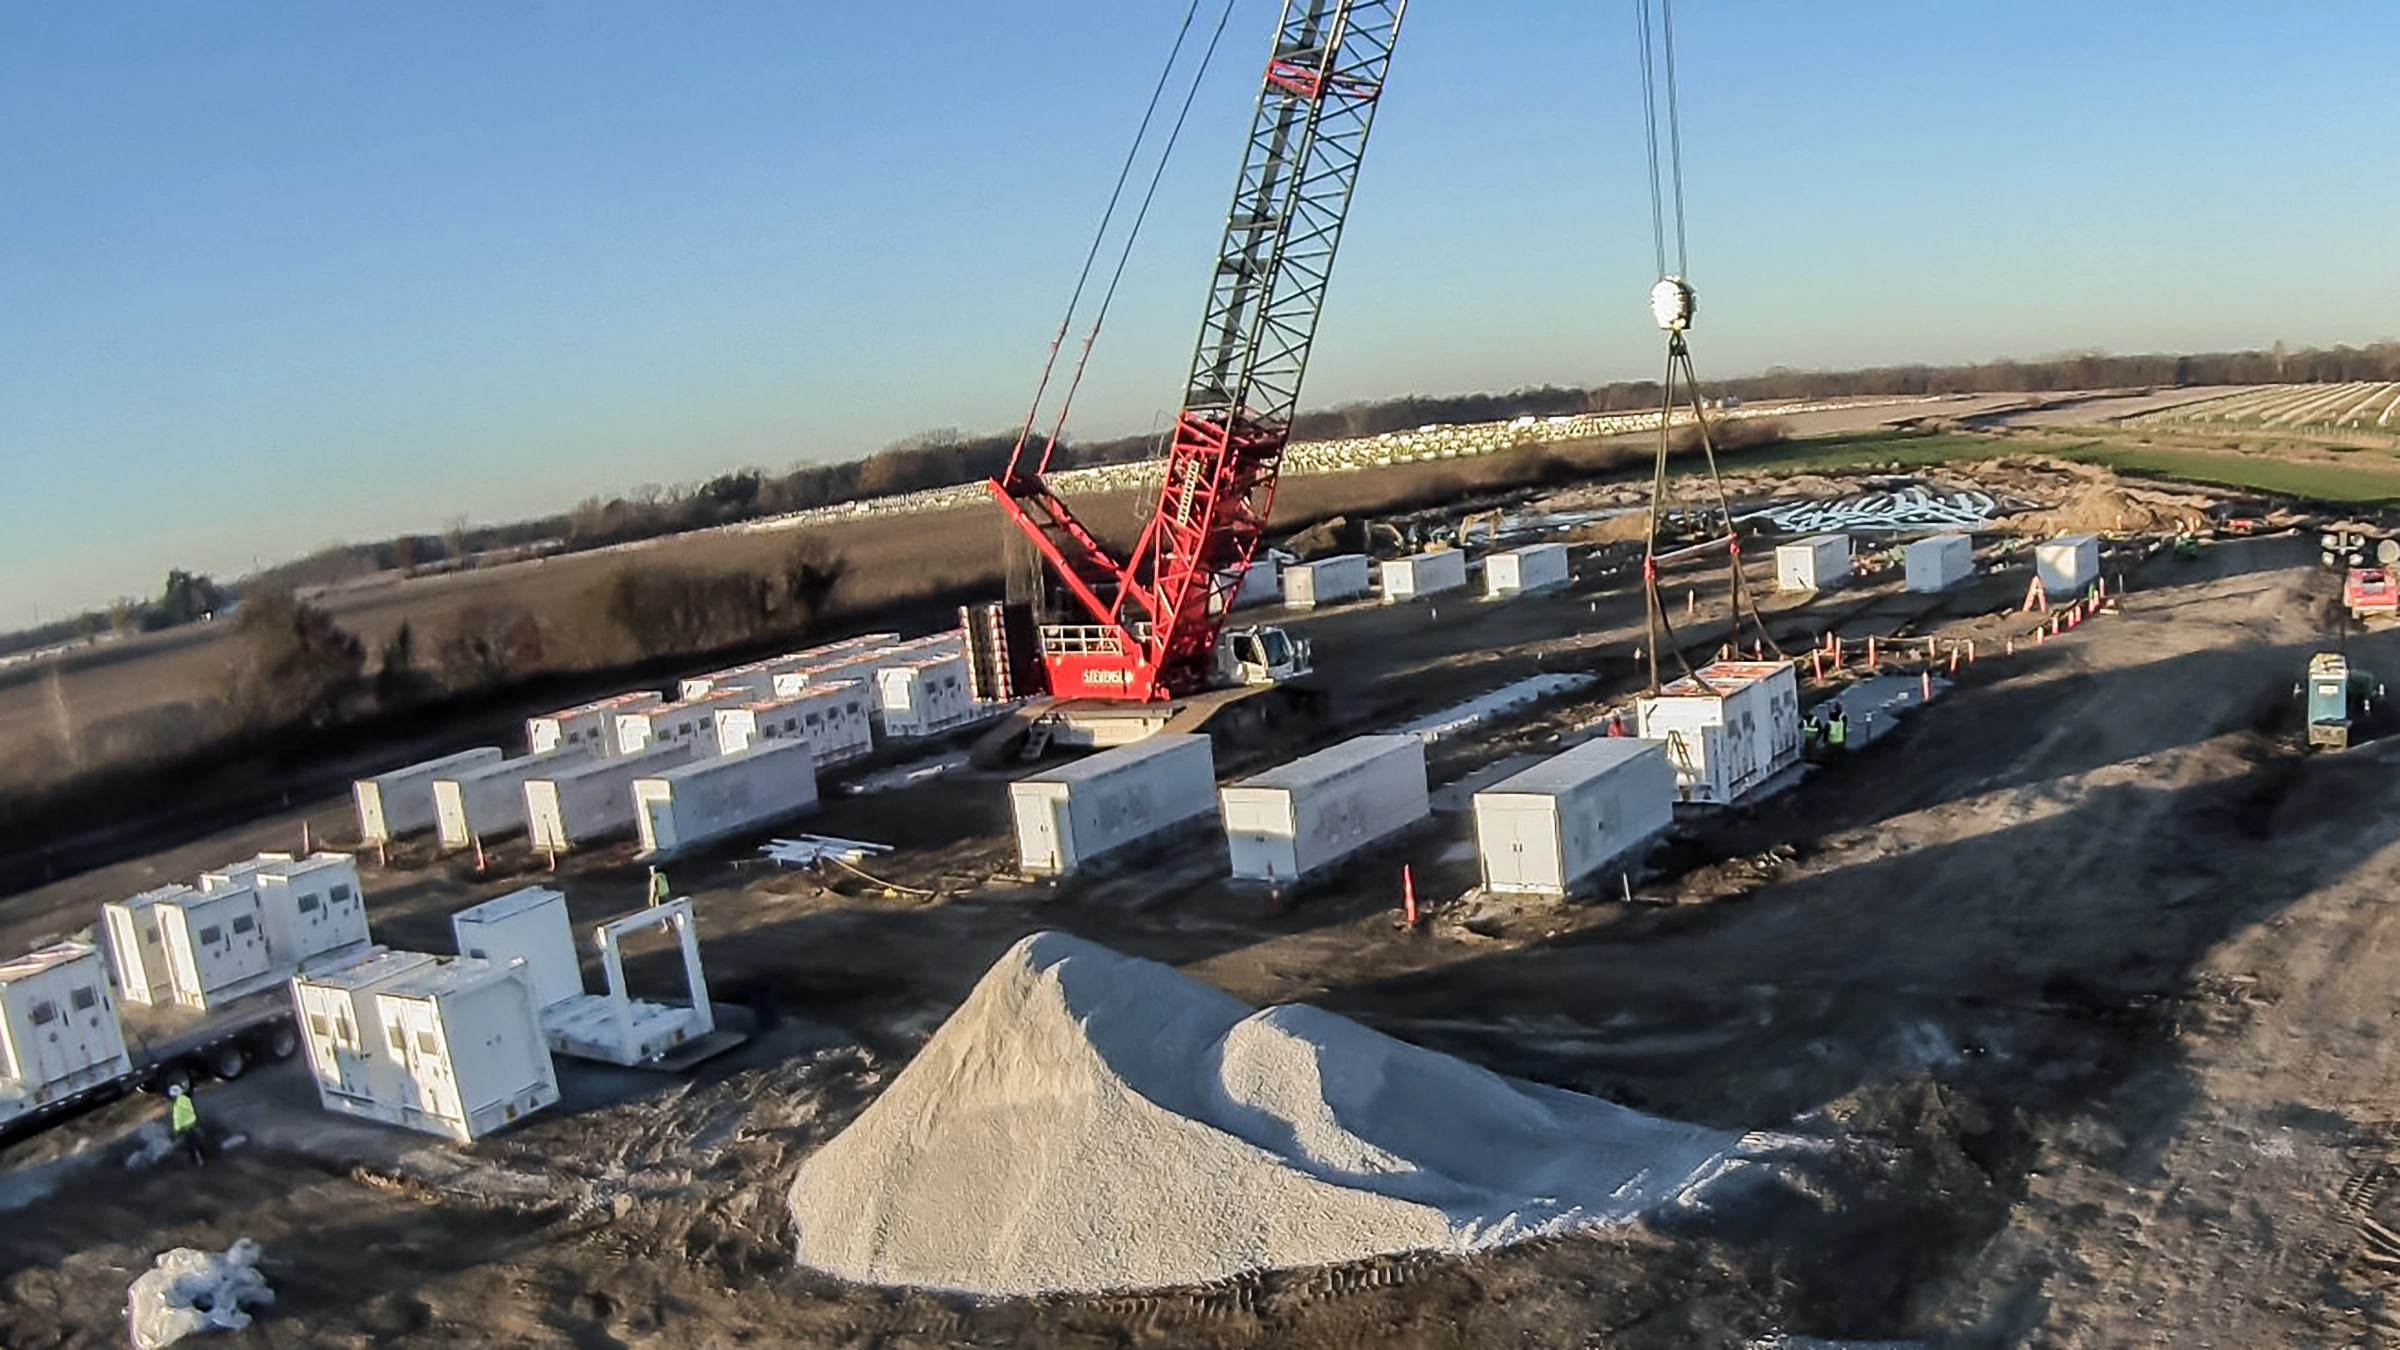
x=1673, y=304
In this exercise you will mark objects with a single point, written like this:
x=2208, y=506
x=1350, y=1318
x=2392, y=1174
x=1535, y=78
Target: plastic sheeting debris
x=190, y=1290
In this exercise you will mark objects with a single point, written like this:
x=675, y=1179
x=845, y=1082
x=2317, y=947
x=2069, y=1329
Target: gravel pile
x=1090, y=1121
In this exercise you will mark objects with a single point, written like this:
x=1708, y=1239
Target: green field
x=2373, y=481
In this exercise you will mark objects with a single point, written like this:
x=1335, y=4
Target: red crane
x=1154, y=617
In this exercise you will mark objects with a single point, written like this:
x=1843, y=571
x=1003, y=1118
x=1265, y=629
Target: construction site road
x=2071, y=995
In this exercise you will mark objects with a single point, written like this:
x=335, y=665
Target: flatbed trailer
x=221, y=1045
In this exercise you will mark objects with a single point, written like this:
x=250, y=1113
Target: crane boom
x=1155, y=616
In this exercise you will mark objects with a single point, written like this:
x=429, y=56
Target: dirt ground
x=2067, y=996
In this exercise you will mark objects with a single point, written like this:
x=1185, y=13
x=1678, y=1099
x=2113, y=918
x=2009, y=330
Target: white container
x=693, y=724
x=356, y=1066
x=400, y=803
x=923, y=696
x=1535, y=567
x=1940, y=562
x=1812, y=564
x=58, y=1025
x=1430, y=573
x=528, y=925
x=588, y=727
x=1261, y=584
x=137, y=949
x=1067, y=816
x=471, y=1047
x=311, y=905
x=1327, y=581
x=837, y=721
x=489, y=802
x=709, y=799
x=216, y=944
x=1726, y=738
x=1543, y=831
x=1298, y=817
x=593, y=801
x=2067, y=564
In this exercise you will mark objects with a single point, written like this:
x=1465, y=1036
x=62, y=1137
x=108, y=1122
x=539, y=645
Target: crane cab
x=1259, y=655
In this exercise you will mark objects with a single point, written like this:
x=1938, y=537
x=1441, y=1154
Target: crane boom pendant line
x=1156, y=614
x=1674, y=305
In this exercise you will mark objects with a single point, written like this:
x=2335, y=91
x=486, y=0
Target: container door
x=428, y=1059
x=1504, y=847
x=658, y=822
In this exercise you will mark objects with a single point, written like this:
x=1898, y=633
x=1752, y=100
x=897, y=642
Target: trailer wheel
x=228, y=1061
x=281, y=1041
x=173, y=1076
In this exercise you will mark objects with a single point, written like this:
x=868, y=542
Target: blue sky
x=276, y=274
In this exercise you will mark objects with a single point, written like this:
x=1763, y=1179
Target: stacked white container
x=588, y=727
x=58, y=1026
x=359, y=1071
x=1940, y=562
x=1289, y=821
x=1429, y=573
x=1327, y=581
x=488, y=802
x=592, y=801
x=1543, y=831
x=400, y=803
x=1728, y=731
x=471, y=1046
x=1535, y=567
x=707, y=800
x=1067, y=816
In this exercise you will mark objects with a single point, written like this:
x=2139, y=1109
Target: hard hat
x=174, y=1089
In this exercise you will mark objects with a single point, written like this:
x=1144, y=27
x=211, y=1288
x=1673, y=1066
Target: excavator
x=1153, y=650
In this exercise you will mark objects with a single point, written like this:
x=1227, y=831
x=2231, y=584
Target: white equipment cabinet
x=400, y=803
x=923, y=696
x=471, y=1048
x=528, y=925
x=216, y=945
x=1812, y=564
x=488, y=802
x=58, y=1027
x=1729, y=735
x=358, y=1070
x=2067, y=564
x=1067, y=816
x=137, y=946
x=588, y=727
x=592, y=801
x=1535, y=567
x=1940, y=562
x=311, y=905
x=1429, y=573
x=707, y=800
x=1298, y=817
x=1543, y=831
x=837, y=721
x=693, y=723
x=1327, y=581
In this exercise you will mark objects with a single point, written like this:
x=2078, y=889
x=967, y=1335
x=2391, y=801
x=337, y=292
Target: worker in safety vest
x=183, y=1122
x=1837, y=732
x=1812, y=737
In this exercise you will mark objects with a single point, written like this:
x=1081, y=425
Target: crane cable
x=1025, y=433
x=1679, y=356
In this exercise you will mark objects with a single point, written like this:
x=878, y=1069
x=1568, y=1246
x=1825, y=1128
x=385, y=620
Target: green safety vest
x=1838, y=731
x=185, y=1115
